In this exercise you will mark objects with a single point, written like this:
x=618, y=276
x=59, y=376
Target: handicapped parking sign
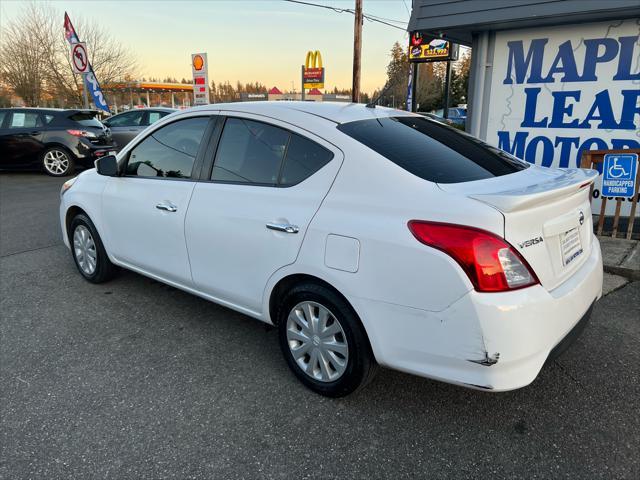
x=619, y=174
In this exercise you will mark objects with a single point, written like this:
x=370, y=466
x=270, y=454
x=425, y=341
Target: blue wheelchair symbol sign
x=619, y=174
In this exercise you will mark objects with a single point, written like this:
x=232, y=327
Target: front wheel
x=88, y=251
x=57, y=162
x=323, y=341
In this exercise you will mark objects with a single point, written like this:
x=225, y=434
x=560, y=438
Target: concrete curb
x=628, y=273
x=621, y=257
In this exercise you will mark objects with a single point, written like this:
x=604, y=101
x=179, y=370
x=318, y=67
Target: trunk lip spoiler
x=511, y=200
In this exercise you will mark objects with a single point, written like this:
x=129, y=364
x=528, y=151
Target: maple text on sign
x=610, y=63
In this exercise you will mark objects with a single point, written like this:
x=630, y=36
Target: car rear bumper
x=490, y=341
x=87, y=154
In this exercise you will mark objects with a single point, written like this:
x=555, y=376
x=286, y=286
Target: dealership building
x=549, y=79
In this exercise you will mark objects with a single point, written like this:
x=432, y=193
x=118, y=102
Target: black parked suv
x=51, y=139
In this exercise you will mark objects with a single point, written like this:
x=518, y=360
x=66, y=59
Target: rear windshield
x=431, y=150
x=86, y=119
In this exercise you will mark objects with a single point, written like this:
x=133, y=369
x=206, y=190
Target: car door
x=125, y=127
x=144, y=208
x=21, y=140
x=249, y=217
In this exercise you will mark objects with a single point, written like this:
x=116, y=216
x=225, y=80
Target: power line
x=405, y=7
x=370, y=18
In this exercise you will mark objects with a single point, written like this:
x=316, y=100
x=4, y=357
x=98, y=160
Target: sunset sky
x=264, y=40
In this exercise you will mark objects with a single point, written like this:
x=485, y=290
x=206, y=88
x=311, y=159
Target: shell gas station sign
x=200, y=70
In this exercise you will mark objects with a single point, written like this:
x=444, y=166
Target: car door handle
x=283, y=227
x=167, y=207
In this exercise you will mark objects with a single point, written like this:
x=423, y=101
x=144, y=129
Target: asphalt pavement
x=136, y=380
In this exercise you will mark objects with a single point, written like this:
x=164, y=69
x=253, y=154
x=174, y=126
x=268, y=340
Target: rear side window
x=257, y=153
x=85, y=119
x=25, y=120
x=304, y=158
x=2, y=115
x=168, y=152
x=431, y=150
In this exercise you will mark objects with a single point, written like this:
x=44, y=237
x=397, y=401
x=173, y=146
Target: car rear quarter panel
x=372, y=200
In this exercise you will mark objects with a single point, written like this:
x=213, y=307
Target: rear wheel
x=57, y=162
x=88, y=251
x=323, y=341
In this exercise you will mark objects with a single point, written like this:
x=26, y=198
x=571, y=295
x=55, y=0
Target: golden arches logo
x=313, y=60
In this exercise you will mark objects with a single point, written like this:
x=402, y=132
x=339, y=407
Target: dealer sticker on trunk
x=571, y=246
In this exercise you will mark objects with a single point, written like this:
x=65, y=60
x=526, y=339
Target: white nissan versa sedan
x=368, y=236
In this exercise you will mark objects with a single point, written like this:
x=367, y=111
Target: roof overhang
x=459, y=27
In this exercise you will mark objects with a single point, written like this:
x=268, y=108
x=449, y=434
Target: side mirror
x=107, y=166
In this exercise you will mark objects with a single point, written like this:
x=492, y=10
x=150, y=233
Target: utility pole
x=357, y=50
x=414, y=87
x=85, y=96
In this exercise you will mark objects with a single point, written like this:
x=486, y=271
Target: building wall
x=552, y=92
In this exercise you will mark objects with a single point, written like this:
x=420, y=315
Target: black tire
x=361, y=365
x=104, y=269
x=66, y=165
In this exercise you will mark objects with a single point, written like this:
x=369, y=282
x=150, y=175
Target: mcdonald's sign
x=313, y=76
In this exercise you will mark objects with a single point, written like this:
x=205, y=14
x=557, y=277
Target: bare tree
x=38, y=32
x=21, y=61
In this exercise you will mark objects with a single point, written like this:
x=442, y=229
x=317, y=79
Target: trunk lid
x=547, y=216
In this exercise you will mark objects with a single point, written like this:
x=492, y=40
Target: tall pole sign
x=312, y=72
x=200, y=70
x=423, y=49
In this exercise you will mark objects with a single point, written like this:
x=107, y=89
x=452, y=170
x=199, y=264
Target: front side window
x=261, y=154
x=25, y=120
x=153, y=117
x=431, y=150
x=168, y=152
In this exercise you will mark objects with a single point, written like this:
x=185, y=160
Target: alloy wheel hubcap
x=56, y=162
x=85, y=249
x=317, y=341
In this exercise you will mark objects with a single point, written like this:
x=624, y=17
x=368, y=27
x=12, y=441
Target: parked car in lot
x=366, y=235
x=457, y=115
x=51, y=139
x=433, y=116
x=125, y=126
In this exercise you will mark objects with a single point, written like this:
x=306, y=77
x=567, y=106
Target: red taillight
x=490, y=262
x=81, y=133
